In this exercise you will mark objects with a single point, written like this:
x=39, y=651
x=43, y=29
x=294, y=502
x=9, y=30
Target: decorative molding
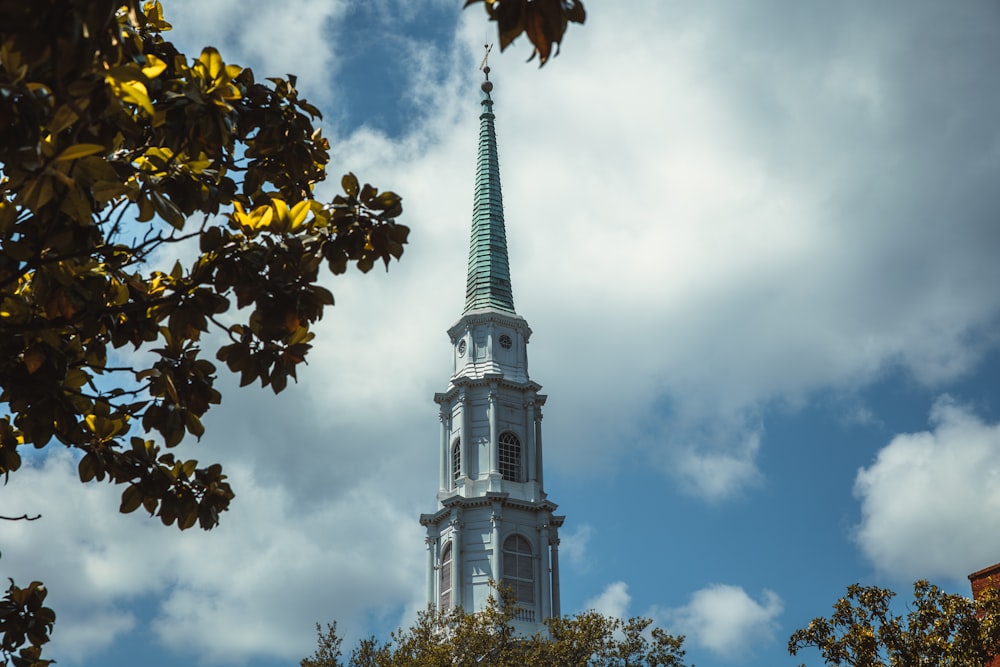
x=460, y=383
x=487, y=316
x=486, y=500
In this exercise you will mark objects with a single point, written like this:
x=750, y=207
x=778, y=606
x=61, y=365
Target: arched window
x=445, y=604
x=456, y=459
x=510, y=457
x=518, y=568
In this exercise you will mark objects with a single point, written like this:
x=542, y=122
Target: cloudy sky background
x=757, y=243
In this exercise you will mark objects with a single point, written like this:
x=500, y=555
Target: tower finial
x=487, y=85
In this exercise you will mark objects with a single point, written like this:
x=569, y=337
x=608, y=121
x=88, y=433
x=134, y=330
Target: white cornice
x=531, y=387
x=487, y=500
x=487, y=316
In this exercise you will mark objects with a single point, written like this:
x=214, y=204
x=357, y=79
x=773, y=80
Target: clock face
x=461, y=348
x=505, y=342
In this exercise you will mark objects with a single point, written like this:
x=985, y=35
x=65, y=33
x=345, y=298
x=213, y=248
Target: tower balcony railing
x=522, y=614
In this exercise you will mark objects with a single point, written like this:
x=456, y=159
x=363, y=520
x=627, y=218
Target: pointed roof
x=488, y=284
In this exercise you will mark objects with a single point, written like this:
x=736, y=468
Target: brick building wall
x=982, y=580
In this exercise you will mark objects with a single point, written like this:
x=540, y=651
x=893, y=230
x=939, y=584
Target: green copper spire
x=488, y=284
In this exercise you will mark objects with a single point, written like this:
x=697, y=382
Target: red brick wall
x=983, y=579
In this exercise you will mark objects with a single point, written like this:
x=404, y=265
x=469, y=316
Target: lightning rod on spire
x=487, y=84
x=483, y=66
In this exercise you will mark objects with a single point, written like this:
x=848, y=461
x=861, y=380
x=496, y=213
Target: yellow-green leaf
x=298, y=214
x=212, y=61
x=134, y=92
x=350, y=184
x=154, y=66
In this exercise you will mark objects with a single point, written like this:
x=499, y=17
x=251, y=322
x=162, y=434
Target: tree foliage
x=115, y=148
x=939, y=630
x=25, y=624
x=543, y=21
x=154, y=205
x=458, y=639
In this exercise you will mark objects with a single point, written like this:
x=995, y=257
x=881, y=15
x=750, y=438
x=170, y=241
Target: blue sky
x=757, y=244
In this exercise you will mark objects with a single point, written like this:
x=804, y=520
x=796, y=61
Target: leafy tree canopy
x=939, y=630
x=115, y=147
x=458, y=639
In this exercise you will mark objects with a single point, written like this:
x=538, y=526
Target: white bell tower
x=493, y=520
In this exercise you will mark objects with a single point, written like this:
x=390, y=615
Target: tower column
x=430, y=569
x=445, y=450
x=556, y=612
x=532, y=456
x=495, y=519
x=538, y=448
x=494, y=444
x=456, y=562
x=545, y=574
x=464, y=439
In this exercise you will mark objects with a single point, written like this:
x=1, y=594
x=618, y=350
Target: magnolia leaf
x=212, y=61
x=154, y=66
x=298, y=214
x=87, y=467
x=262, y=217
x=193, y=424
x=62, y=119
x=33, y=359
x=280, y=214
x=131, y=499
x=350, y=184
x=189, y=517
x=38, y=193
x=134, y=92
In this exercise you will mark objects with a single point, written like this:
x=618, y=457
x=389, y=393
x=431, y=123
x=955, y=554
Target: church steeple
x=488, y=284
x=494, y=521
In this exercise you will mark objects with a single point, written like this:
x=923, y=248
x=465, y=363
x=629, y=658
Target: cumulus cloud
x=725, y=620
x=272, y=38
x=755, y=227
x=708, y=212
x=253, y=587
x=930, y=502
x=715, y=467
x=612, y=601
x=573, y=546
x=718, y=476
x=719, y=243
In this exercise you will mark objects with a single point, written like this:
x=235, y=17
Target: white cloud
x=707, y=212
x=717, y=243
x=253, y=587
x=79, y=550
x=612, y=601
x=573, y=546
x=725, y=620
x=930, y=502
x=271, y=38
x=741, y=225
x=716, y=475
